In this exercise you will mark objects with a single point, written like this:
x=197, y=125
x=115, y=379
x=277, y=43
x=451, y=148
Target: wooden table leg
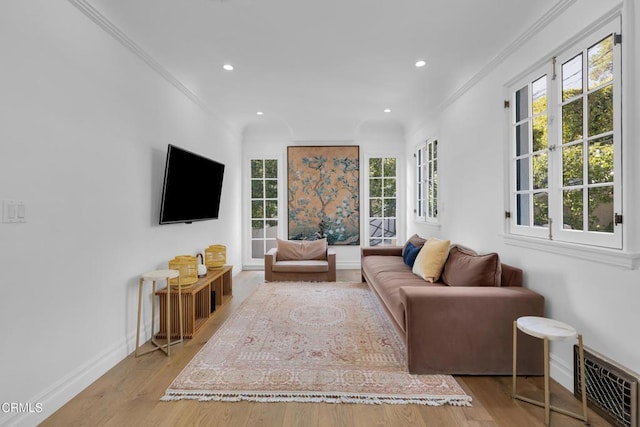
x=168, y=313
x=515, y=355
x=546, y=382
x=583, y=385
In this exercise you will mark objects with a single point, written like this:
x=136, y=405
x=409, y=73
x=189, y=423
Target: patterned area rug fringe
x=208, y=396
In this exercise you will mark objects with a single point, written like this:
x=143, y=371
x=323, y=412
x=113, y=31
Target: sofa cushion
x=416, y=241
x=296, y=250
x=311, y=266
x=410, y=254
x=466, y=268
x=376, y=264
x=431, y=258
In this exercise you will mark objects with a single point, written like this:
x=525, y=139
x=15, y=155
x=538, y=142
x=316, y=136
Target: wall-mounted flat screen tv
x=192, y=187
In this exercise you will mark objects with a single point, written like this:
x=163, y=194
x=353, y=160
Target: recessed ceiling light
x=260, y=113
x=421, y=63
x=228, y=67
x=387, y=110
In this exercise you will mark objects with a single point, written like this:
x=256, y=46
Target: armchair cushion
x=310, y=266
x=299, y=250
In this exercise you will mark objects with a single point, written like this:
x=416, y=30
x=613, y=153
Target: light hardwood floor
x=129, y=395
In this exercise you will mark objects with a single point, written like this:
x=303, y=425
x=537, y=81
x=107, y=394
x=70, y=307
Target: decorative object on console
x=202, y=269
x=324, y=199
x=215, y=256
x=187, y=265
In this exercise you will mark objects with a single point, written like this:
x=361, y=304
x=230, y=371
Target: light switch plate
x=14, y=211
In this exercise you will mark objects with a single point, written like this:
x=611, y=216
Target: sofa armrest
x=469, y=330
x=381, y=250
x=269, y=259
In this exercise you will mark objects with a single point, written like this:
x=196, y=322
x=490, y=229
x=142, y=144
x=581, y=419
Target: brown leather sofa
x=461, y=329
x=299, y=260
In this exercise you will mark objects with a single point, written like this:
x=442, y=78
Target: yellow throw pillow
x=431, y=259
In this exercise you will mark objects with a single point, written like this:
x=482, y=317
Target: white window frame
x=426, y=177
x=248, y=200
x=611, y=240
x=398, y=216
x=555, y=236
x=515, y=228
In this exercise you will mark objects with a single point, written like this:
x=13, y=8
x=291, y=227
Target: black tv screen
x=192, y=187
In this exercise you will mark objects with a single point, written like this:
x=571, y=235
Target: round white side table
x=548, y=330
x=153, y=276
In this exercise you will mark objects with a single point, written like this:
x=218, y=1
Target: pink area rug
x=310, y=342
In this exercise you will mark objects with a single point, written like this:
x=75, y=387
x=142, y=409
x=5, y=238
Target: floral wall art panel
x=324, y=199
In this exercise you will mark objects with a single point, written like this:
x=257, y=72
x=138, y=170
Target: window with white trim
x=383, y=196
x=264, y=206
x=427, y=181
x=565, y=125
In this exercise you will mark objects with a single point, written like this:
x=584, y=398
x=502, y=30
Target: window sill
x=614, y=257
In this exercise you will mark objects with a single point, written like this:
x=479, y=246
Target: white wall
x=84, y=126
x=374, y=138
x=601, y=301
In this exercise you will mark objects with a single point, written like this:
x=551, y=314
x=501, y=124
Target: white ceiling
x=323, y=68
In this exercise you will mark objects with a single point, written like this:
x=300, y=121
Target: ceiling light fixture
x=421, y=63
x=260, y=113
x=387, y=110
x=228, y=67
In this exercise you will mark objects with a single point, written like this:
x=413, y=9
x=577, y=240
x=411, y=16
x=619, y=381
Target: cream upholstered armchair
x=304, y=260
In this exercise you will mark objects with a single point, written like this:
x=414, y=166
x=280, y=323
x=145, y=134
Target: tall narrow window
x=431, y=181
x=531, y=148
x=382, y=200
x=566, y=146
x=427, y=181
x=420, y=196
x=587, y=139
x=264, y=206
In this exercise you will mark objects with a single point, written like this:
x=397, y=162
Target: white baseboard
x=253, y=267
x=353, y=265
x=561, y=372
x=67, y=387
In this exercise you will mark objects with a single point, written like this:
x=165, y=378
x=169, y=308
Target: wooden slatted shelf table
x=197, y=304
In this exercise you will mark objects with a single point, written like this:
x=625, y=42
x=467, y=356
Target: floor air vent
x=612, y=391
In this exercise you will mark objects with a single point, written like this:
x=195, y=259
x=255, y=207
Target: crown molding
x=110, y=28
x=537, y=26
